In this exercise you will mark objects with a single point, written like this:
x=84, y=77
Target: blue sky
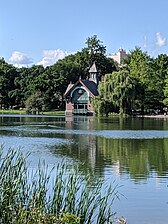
x=42, y=31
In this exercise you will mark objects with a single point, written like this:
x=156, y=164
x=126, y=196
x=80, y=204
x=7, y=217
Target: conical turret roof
x=93, y=68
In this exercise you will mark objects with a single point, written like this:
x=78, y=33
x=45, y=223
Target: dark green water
x=133, y=152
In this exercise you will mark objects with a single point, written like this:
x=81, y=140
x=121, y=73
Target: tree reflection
x=139, y=158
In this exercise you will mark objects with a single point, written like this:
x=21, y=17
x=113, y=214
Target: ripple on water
x=113, y=134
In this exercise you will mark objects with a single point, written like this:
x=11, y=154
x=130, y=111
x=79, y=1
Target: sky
x=42, y=31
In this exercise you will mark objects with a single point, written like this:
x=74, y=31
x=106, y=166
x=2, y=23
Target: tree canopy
x=20, y=86
x=138, y=85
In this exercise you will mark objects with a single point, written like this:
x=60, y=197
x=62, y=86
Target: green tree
x=165, y=91
x=59, y=76
x=120, y=89
x=116, y=94
x=29, y=81
x=102, y=104
x=160, y=68
x=95, y=51
x=95, y=45
x=139, y=65
x=8, y=73
x=35, y=103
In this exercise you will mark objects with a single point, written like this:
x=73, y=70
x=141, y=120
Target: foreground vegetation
x=57, y=195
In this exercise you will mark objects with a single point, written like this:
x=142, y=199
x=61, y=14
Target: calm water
x=133, y=152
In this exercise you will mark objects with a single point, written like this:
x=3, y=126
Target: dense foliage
x=139, y=85
x=40, y=88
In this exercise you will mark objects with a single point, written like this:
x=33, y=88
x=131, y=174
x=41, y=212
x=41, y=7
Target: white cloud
x=20, y=59
x=145, y=44
x=160, y=40
x=51, y=56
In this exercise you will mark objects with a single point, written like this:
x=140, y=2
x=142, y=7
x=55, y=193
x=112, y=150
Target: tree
x=95, y=46
x=160, y=68
x=117, y=93
x=102, y=104
x=7, y=75
x=59, y=76
x=35, y=103
x=165, y=91
x=139, y=65
x=95, y=51
x=120, y=89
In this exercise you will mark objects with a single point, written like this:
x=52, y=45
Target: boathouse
x=79, y=96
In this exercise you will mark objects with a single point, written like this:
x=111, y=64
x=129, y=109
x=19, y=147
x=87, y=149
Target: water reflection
x=137, y=157
x=134, y=151
x=93, y=144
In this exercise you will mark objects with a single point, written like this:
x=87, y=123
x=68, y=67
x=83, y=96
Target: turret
x=93, y=73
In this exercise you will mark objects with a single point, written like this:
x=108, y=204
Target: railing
x=79, y=111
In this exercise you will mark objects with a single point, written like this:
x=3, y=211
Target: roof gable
x=68, y=88
x=89, y=85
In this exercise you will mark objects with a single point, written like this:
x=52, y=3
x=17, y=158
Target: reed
x=58, y=195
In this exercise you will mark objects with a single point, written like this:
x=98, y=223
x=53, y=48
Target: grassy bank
x=12, y=112
x=55, y=113
x=58, y=195
x=22, y=112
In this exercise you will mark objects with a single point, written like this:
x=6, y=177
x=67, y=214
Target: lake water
x=132, y=152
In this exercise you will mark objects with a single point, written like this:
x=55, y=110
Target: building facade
x=79, y=96
x=119, y=56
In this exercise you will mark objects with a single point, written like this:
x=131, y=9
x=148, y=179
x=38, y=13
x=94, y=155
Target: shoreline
x=154, y=116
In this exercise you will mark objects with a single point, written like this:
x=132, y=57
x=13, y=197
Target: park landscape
x=83, y=112
x=32, y=104
x=79, y=169
x=137, y=86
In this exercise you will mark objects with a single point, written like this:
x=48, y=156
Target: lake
x=132, y=152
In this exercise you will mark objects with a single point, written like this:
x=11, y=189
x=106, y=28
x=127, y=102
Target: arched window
x=80, y=95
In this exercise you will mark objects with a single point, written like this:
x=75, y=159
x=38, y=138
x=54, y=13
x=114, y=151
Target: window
x=80, y=106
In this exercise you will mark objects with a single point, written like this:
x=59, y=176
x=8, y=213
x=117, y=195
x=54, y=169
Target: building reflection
x=85, y=146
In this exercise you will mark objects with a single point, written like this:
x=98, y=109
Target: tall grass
x=58, y=195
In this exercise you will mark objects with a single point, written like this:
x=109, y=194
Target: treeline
x=40, y=89
x=139, y=85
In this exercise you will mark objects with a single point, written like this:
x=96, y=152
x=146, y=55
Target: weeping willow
x=116, y=91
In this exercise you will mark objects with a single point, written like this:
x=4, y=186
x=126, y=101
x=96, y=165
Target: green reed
x=58, y=195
